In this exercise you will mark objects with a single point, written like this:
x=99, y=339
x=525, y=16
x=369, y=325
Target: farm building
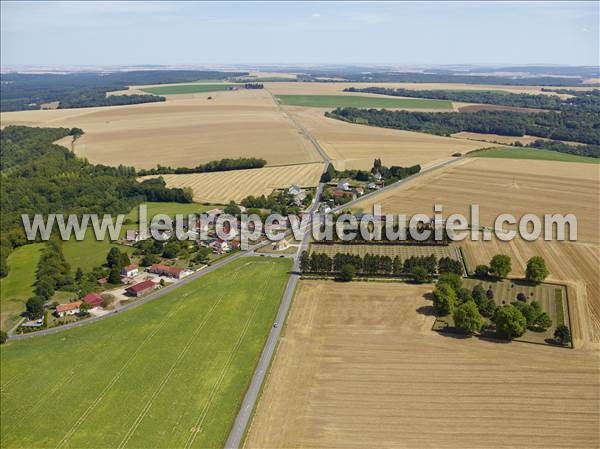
x=93, y=299
x=130, y=270
x=141, y=288
x=70, y=308
x=164, y=270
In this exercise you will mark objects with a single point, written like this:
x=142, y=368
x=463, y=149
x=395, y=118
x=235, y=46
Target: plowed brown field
x=359, y=367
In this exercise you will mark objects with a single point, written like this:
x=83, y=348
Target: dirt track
x=358, y=367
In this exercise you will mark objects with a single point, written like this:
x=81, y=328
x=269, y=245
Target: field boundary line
x=225, y=368
x=116, y=377
x=167, y=377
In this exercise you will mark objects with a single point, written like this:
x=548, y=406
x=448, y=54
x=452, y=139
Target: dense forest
x=367, y=75
x=212, y=166
x=582, y=101
x=41, y=177
x=583, y=127
x=22, y=91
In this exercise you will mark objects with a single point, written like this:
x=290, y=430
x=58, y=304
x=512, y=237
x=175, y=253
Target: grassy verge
x=181, y=362
x=334, y=101
x=530, y=153
x=560, y=312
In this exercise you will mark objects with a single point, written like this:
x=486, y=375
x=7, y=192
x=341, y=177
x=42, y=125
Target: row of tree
x=571, y=125
x=588, y=101
x=501, y=265
x=241, y=163
x=420, y=268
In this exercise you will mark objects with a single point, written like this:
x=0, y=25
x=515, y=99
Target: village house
x=294, y=190
x=219, y=246
x=132, y=236
x=372, y=186
x=130, y=270
x=70, y=308
x=93, y=299
x=343, y=185
x=164, y=270
x=281, y=245
x=141, y=288
x=377, y=176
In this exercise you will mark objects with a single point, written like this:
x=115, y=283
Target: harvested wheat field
x=518, y=187
x=222, y=187
x=359, y=367
x=354, y=146
x=184, y=131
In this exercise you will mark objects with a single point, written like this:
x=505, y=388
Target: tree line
x=388, y=174
x=420, y=268
x=241, y=163
x=583, y=127
x=22, y=91
x=39, y=177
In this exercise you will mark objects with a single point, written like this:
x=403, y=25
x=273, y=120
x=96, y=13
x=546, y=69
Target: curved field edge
x=170, y=373
x=333, y=101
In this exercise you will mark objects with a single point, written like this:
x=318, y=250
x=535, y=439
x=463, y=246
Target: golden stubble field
x=354, y=146
x=359, y=367
x=185, y=131
x=518, y=187
x=222, y=187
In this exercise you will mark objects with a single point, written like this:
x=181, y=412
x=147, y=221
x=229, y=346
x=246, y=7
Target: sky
x=389, y=33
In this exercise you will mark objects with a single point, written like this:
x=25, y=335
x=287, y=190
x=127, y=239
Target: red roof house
x=164, y=270
x=70, y=308
x=93, y=299
x=141, y=288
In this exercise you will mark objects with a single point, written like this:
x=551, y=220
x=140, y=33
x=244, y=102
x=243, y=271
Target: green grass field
x=171, y=209
x=89, y=252
x=530, y=153
x=17, y=286
x=188, y=88
x=170, y=373
x=334, y=101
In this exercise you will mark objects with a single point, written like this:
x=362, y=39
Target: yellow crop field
x=222, y=187
x=402, y=251
x=359, y=367
x=354, y=146
x=518, y=187
x=184, y=131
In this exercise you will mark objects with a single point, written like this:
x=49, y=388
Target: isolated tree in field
x=536, y=270
x=467, y=317
x=562, y=335
x=542, y=321
x=521, y=297
x=75, y=134
x=35, y=307
x=481, y=271
x=510, y=322
x=304, y=261
x=114, y=276
x=346, y=273
x=444, y=299
x=232, y=209
x=500, y=265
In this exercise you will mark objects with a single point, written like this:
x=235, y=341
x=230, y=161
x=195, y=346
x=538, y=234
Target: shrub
x=522, y=297
x=481, y=271
x=543, y=321
x=500, y=265
x=536, y=270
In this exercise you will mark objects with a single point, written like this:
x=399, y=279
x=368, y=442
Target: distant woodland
x=20, y=91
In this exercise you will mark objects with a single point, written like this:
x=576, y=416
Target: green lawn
x=89, y=252
x=334, y=101
x=530, y=153
x=171, y=209
x=170, y=373
x=188, y=88
x=17, y=286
